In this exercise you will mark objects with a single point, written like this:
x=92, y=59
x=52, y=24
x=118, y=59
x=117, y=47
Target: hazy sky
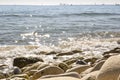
x=49, y=2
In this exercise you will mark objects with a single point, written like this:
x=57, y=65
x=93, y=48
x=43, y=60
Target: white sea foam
x=93, y=47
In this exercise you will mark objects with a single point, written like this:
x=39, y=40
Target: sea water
x=93, y=29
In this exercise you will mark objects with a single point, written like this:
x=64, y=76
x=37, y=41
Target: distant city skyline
x=57, y=2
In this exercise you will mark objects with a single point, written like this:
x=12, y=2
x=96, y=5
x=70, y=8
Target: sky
x=56, y=2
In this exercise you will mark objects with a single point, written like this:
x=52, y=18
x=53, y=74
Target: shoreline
x=87, y=54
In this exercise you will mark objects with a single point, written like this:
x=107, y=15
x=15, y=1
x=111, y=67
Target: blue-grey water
x=31, y=30
x=24, y=25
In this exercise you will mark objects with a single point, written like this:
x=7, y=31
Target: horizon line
x=61, y=4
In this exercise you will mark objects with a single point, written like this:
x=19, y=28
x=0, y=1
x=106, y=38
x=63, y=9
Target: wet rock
x=76, y=51
x=65, y=53
x=115, y=50
x=52, y=52
x=110, y=69
x=90, y=60
x=78, y=69
x=70, y=74
x=17, y=70
x=63, y=66
x=118, y=41
x=42, y=52
x=69, y=53
x=81, y=62
x=23, y=61
x=106, y=56
x=49, y=70
x=55, y=57
x=73, y=60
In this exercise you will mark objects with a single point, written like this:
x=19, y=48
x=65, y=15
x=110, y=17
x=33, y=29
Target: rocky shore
x=81, y=67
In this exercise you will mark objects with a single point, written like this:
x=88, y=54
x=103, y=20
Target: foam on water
x=92, y=47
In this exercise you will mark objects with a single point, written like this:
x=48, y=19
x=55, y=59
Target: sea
x=93, y=29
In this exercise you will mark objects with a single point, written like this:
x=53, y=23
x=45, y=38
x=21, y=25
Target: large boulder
x=23, y=61
x=49, y=70
x=110, y=69
x=118, y=77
